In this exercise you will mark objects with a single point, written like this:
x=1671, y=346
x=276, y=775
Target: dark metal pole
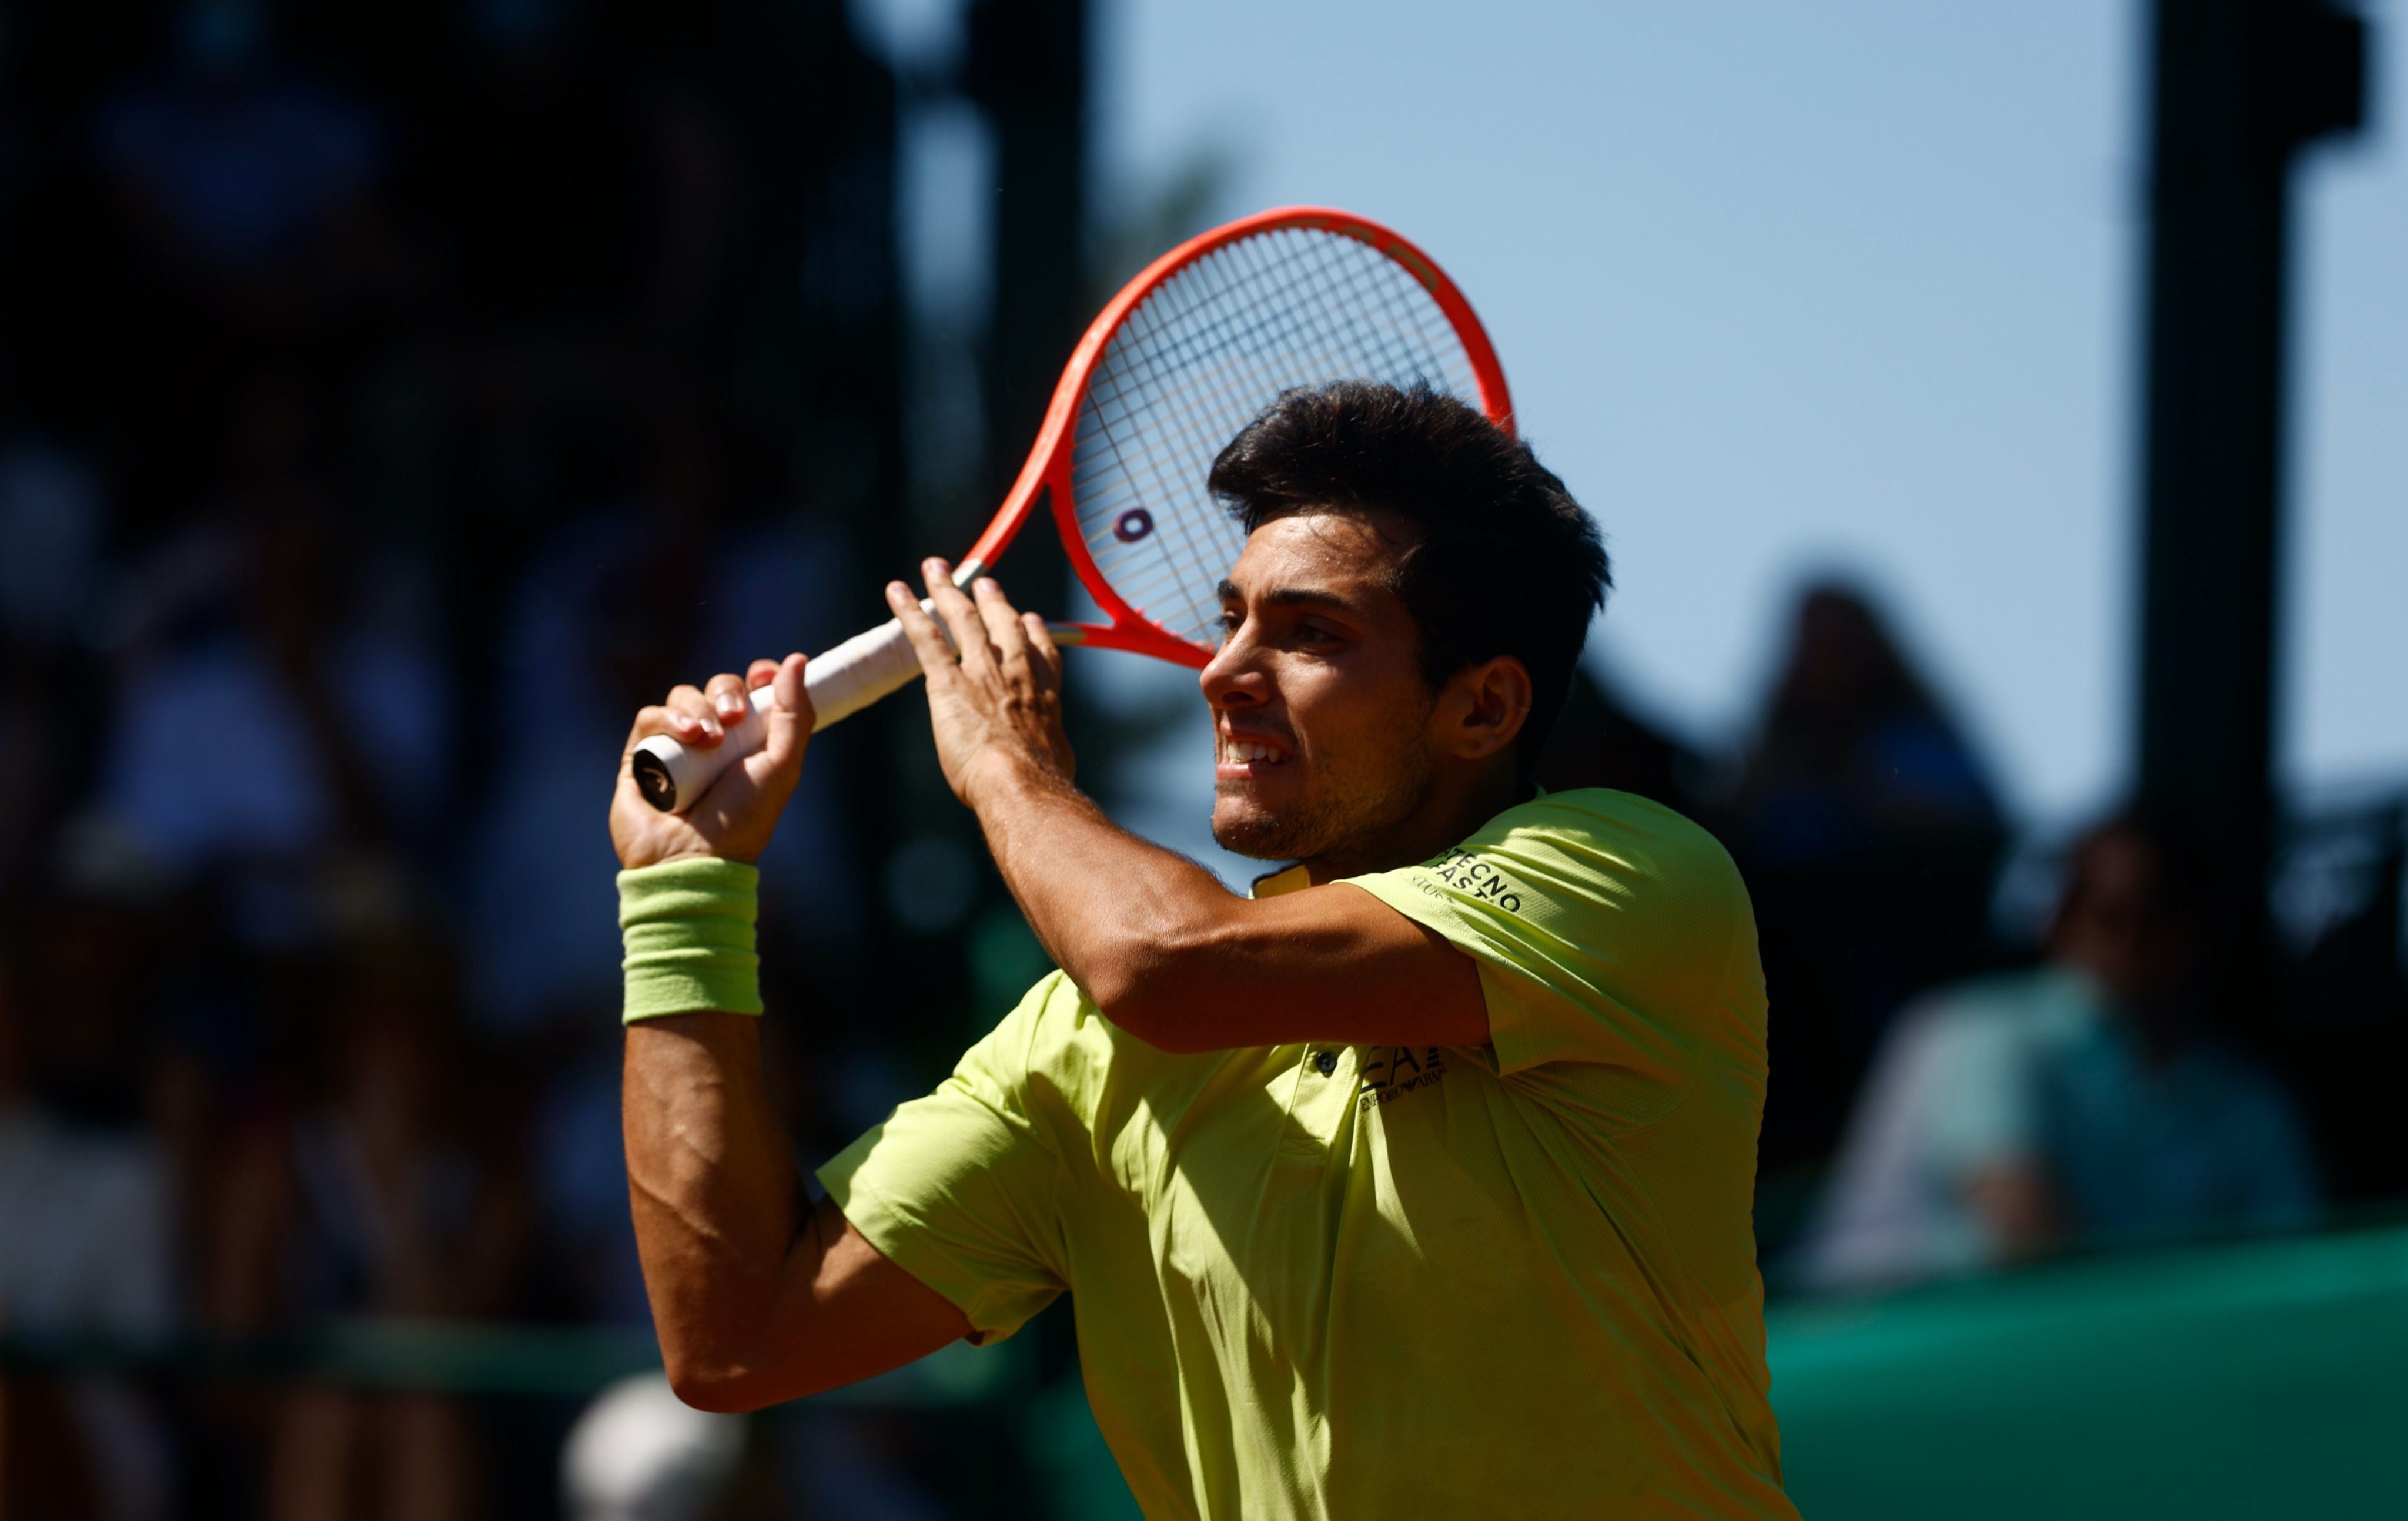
x=2240, y=86
x=1028, y=70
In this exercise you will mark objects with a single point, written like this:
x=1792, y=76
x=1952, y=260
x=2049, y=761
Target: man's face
x=2120, y=928
x=1321, y=718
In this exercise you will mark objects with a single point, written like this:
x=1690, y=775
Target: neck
x=1448, y=814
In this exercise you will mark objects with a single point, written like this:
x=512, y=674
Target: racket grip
x=841, y=682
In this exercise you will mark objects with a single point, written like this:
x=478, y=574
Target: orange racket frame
x=1046, y=476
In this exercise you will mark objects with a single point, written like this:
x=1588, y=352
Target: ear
x=1483, y=708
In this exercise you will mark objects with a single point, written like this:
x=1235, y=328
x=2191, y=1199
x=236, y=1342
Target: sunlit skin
x=1332, y=750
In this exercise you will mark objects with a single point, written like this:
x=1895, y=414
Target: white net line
x=1200, y=358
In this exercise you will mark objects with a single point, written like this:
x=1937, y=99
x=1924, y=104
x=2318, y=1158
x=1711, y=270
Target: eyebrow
x=1289, y=597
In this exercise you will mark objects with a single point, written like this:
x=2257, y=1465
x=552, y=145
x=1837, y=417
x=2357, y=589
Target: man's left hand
x=995, y=695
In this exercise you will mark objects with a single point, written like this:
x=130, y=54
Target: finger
x=937, y=661
x=761, y=673
x=1043, y=652
x=729, y=698
x=961, y=617
x=1001, y=619
x=787, y=716
x=657, y=719
x=689, y=703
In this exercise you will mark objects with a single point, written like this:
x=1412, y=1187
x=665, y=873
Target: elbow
x=1171, y=973
x=718, y=1389
x=716, y=1396
x=1150, y=988
x=1120, y=995
x=721, y=1370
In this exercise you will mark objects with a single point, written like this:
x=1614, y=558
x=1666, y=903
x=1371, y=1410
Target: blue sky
x=1845, y=286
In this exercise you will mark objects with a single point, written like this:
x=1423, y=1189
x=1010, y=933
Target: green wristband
x=687, y=926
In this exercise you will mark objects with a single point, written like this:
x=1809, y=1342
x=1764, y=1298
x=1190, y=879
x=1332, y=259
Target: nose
x=1235, y=677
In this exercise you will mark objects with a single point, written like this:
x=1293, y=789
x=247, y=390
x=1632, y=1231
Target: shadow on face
x=1320, y=710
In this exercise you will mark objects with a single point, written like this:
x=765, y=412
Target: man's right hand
x=735, y=816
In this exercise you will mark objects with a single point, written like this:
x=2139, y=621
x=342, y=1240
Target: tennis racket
x=1187, y=354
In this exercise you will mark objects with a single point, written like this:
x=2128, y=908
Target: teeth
x=1244, y=751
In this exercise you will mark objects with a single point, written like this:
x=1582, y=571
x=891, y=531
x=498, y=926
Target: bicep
x=1330, y=963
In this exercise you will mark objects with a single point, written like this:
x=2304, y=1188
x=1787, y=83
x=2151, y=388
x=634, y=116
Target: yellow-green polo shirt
x=1313, y=1280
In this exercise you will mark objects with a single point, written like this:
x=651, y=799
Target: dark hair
x=1506, y=564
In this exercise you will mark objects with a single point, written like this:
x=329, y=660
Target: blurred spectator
x=53, y=522
x=388, y=1191
x=300, y=295
x=87, y=1207
x=615, y=609
x=1869, y=834
x=245, y=183
x=243, y=225
x=277, y=728
x=2078, y=1103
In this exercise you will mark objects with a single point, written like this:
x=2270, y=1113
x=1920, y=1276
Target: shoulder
x=1603, y=846
x=2001, y=1017
x=1601, y=897
x=1621, y=824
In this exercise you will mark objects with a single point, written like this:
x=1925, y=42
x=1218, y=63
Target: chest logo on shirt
x=1467, y=874
x=1391, y=1072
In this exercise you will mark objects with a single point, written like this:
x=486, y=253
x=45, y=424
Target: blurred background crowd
x=392, y=397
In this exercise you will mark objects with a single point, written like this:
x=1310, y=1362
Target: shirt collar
x=1287, y=879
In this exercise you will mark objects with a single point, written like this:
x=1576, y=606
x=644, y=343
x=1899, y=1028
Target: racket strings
x=1188, y=361
x=1183, y=556
x=1241, y=395
x=1201, y=357
x=1337, y=327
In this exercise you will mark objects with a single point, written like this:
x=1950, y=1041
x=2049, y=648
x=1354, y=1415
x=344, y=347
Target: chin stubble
x=1348, y=820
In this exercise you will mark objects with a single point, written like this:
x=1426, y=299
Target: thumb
x=787, y=719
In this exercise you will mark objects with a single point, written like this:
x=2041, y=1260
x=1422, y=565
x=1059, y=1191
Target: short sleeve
x=1606, y=929
x=959, y=1189
x=1978, y=1102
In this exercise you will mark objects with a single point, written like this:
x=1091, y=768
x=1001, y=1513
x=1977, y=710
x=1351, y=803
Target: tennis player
x=1416, y=1185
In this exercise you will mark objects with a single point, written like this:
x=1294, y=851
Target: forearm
x=710, y=1176
x=755, y=1299
x=1166, y=952
x=1174, y=958
x=711, y=1182
x=1110, y=908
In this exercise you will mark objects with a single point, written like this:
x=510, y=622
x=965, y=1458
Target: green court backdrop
x=2266, y=1380
x=2262, y=1379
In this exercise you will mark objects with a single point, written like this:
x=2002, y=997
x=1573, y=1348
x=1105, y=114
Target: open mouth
x=1241, y=757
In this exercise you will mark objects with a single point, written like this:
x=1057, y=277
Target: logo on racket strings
x=1133, y=525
